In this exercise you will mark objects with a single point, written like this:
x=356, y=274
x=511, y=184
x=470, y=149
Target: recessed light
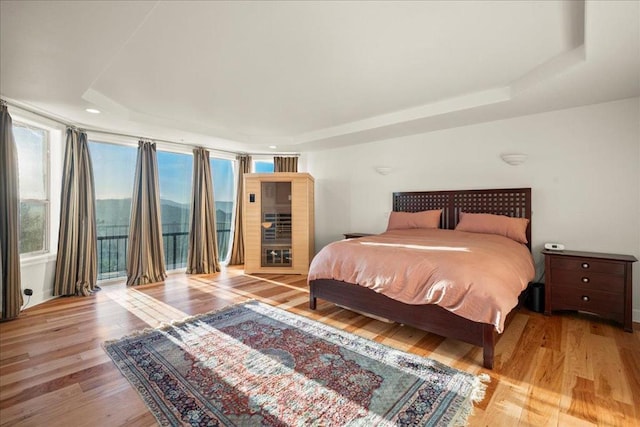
x=273, y=146
x=92, y=111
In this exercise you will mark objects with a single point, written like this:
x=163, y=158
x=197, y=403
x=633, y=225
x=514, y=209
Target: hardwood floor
x=562, y=370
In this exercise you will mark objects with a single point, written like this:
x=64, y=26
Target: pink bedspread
x=476, y=276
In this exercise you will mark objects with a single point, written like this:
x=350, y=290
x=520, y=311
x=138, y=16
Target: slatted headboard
x=514, y=202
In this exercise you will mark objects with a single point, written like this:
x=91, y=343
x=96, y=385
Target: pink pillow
x=513, y=228
x=404, y=220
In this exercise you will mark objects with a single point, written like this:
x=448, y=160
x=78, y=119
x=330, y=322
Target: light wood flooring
x=565, y=370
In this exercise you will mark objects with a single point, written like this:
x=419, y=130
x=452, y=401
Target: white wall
x=583, y=168
x=37, y=274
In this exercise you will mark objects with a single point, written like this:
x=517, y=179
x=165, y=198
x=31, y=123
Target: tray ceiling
x=312, y=75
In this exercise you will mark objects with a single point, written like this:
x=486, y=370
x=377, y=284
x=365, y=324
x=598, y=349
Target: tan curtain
x=145, y=257
x=285, y=164
x=76, y=262
x=203, y=243
x=237, y=249
x=9, y=220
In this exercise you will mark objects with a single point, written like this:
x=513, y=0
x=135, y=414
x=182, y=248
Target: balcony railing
x=113, y=245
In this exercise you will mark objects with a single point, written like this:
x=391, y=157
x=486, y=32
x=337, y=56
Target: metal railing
x=113, y=246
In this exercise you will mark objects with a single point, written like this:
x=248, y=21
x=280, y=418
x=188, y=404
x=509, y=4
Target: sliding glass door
x=113, y=172
x=174, y=171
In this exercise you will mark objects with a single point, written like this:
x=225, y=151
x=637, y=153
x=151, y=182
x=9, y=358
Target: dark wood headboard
x=514, y=202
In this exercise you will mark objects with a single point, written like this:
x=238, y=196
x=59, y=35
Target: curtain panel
x=237, y=248
x=9, y=220
x=202, y=255
x=145, y=257
x=285, y=164
x=76, y=261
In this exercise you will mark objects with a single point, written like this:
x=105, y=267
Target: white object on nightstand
x=554, y=246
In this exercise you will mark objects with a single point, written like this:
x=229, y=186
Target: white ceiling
x=311, y=75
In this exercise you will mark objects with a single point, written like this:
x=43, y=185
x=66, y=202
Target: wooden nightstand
x=593, y=282
x=356, y=235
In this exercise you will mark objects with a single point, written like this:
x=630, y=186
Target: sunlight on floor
x=262, y=279
x=148, y=309
x=155, y=312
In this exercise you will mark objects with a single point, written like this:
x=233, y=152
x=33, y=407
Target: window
x=174, y=172
x=113, y=174
x=224, y=195
x=263, y=166
x=33, y=173
x=114, y=170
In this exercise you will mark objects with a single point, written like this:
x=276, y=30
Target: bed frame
x=514, y=202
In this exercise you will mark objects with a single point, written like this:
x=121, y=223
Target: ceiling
x=302, y=76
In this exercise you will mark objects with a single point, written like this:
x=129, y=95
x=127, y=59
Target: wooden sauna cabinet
x=278, y=222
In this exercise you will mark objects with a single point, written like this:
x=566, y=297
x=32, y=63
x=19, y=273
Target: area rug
x=253, y=364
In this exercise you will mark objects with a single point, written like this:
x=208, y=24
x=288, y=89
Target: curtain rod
x=124, y=135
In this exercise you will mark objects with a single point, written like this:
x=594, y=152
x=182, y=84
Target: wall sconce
x=514, y=159
x=383, y=170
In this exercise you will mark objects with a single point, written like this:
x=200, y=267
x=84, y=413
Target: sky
x=263, y=167
x=114, y=171
x=31, y=147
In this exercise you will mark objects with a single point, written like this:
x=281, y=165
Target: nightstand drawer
x=588, y=280
x=603, y=303
x=587, y=265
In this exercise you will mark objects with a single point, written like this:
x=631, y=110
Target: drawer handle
x=585, y=265
x=585, y=298
x=585, y=280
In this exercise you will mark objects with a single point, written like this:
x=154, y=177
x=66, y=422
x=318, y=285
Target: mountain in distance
x=174, y=204
x=226, y=207
x=115, y=213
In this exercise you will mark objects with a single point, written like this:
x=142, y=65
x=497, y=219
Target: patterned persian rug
x=253, y=364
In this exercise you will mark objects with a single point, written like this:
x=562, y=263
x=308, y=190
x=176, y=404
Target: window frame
x=28, y=124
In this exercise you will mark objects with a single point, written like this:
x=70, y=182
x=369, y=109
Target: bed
x=515, y=203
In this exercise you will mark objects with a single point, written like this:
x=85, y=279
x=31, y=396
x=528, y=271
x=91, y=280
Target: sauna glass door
x=276, y=224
